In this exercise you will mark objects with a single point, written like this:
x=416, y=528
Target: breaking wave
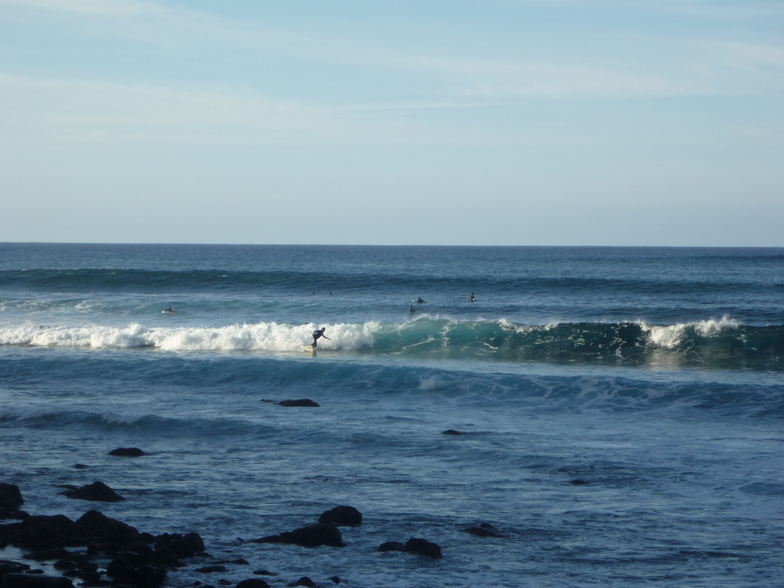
x=712, y=343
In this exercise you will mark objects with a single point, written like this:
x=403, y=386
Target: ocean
x=620, y=410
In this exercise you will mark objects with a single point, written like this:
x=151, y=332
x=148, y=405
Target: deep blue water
x=654, y=375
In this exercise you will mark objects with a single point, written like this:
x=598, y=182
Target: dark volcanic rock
x=11, y=567
x=212, y=569
x=392, y=546
x=95, y=492
x=304, y=581
x=342, y=516
x=10, y=497
x=335, y=579
x=134, y=563
x=484, y=530
x=414, y=546
x=310, y=536
x=127, y=452
x=423, y=547
x=28, y=581
x=18, y=515
x=302, y=402
x=40, y=533
x=253, y=583
x=169, y=549
x=94, y=526
x=10, y=501
x=451, y=432
x=144, y=577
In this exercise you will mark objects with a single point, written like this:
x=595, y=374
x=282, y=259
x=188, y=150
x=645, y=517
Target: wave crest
x=718, y=342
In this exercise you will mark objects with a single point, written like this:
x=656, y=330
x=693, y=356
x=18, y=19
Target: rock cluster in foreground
x=135, y=558
x=142, y=560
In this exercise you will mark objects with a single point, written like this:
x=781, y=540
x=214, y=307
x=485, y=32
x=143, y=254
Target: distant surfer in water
x=318, y=334
x=411, y=308
x=170, y=309
x=419, y=300
x=472, y=298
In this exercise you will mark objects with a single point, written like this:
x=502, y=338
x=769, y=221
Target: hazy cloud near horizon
x=501, y=122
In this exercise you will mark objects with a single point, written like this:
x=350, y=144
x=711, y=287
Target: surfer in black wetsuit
x=419, y=300
x=318, y=334
x=472, y=298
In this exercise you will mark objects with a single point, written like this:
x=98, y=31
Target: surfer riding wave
x=317, y=335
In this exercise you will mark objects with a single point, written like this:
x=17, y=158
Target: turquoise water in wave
x=621, y=408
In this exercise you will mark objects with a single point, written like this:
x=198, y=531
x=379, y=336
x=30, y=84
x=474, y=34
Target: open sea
x=621, y=409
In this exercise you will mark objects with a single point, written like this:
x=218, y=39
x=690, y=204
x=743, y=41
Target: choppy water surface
x=621, y=409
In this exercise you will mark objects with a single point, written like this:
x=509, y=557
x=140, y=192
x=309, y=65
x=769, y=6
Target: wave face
x=664, y=307
x=713, y=343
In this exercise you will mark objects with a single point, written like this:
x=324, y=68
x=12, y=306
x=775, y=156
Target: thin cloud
x=88, y=7
x=76, y=110
x=712, y=9
x=749, y=55
x=502, y=80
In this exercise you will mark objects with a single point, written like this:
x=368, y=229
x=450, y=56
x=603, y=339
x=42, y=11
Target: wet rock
x=451, y=432
x=183, y=546
x=423, y=547
x=253, y=583
x=304, y=581
x=95, y=492
x=578, y=482
x=302, y=402
x=342, y=516
x=10, y=497
x=212, y=569
x=80, y=466
x=414, y=546
x=127, y=560
x=310, y=536
x=12, y=567
x=392, y=546
x=144, y=577
x=484, y=530
x=335, y=579
x=39, y=533
x=48, y=554
x=127, y=452
x=36, y=581
x=94, y=526
x=263, y=573
x=16, y=514
x=10, y=501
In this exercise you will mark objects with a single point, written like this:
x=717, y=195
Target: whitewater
x=618, y=410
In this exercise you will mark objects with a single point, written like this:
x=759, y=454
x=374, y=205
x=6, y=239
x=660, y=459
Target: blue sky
x=500, y=122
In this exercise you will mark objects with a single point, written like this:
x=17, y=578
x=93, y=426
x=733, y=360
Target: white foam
x=671, y=336
x=262, y=336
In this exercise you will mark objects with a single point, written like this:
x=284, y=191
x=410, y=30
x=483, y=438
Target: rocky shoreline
x=95, y=550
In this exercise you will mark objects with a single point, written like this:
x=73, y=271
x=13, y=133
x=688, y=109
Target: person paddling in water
x=317, y=335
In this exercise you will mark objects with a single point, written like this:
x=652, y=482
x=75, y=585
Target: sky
x=421, y=122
